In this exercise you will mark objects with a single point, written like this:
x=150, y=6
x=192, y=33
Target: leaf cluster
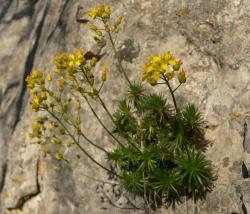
x=163, y=157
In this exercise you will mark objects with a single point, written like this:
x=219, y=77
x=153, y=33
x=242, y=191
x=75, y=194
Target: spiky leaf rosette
x=156, y=106
x=133, y=182
x=126, y=123
x=193, y=121
x=126, y=158
x=195, y=173
x=167, y=184
x=136, y=95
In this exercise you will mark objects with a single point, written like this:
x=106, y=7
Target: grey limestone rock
x=211, y=37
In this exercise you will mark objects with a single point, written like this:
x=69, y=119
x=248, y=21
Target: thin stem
x=118, y=60
x=100, y=99
x=105, y=108
x=87, y=139
x=97, y=117
x=172, y=94
x=81, y=133
x=99, y=120
x=101, y=87
x=77, y=143
x=177, y=87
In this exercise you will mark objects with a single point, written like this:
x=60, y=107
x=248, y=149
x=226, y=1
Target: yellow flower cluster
x=102, y=11
x=36, y=84
x=36, y=77
x=71, y=62
x=38, y=102
x=162, y=65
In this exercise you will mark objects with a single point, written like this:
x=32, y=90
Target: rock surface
x=211, y=37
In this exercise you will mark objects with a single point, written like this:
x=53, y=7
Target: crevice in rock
x=28, y=69
x=27, y=197
x=11, y=85
x=243, y=206
x=244, y=170
x=60, y=23
x=244, y=136
x=5, y=8
x=3, y=176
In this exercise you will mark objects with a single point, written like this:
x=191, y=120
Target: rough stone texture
x=211, y=37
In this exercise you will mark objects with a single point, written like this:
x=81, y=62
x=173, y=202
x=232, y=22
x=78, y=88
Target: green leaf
x=133, y=182
x=196, y=174
x=167, y=183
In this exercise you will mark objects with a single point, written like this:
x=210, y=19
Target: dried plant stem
x=77, y=143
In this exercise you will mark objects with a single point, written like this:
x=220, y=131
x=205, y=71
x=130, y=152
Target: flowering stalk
x=99, y=120
x=172, y=94
x=76, y=142
x=95, y=114
x=76, y=127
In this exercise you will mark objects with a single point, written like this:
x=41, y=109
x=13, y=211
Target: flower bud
x=49, y=77
x=182, y=76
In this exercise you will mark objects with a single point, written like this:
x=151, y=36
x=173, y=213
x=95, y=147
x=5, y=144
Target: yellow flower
x=116, y=30
x=102, y=11
x=36, y=100
x=36, y=77
x=158, y=65
x=107, y=11
x=61, y=83
x=50, y=126
x=33, y=91
x=93, y=13
x=49, y=77
x=104, y=71
x=176, y=64
x=168, y=56
x=61, y=61
x=58, y=156
x=170, y=75
x=107, y=28
x=43, y=96
x=69, y=98
x=163, y=66
x=40, y=120
x=155, y=59
x=182, y=76
x=56, y=140
x=93, y=61
x=36, y=127
x=118, y=21
x=80, y=57
x=36, y=74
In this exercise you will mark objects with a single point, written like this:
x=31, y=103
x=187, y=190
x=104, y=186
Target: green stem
x=99, y=120
x=172, y=94
x=118, y=60
x=177, y=87
x=81, y=133
x=76, y=142
x=100, y=99
x=105, y=108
